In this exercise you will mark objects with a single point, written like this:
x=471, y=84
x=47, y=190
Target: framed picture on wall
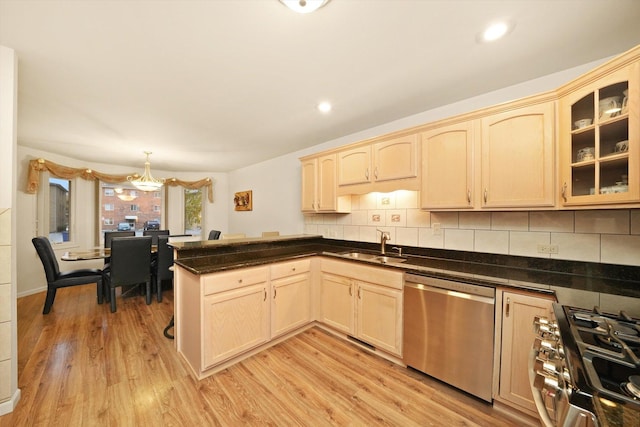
x=243, y=201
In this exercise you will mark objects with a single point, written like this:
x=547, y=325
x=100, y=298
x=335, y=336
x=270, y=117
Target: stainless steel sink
x=373, y=257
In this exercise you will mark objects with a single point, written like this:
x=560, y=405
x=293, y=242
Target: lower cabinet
x=369, y=310
x=518, y=312
x=291, y=299
x=234, y=321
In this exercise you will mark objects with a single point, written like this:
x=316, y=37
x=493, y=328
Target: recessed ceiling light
x=495, y=31
x=324, y=107
x=304, y=6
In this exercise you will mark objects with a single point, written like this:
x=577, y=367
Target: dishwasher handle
x=418, y=281
x=452, y=293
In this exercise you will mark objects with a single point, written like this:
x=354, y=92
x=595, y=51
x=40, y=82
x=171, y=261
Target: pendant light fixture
x=146, y=182
x=304, y=6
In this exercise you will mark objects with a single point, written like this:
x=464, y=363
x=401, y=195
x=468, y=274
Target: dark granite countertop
x=489, y=269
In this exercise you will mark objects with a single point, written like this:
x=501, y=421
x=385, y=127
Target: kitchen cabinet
x=319, y=186
x=291, y=299
x=447, y=177
x=365, y=302
x=517, y=156
x=517, y=336
x=235, y=319
x=386, y=165
x=600, y=136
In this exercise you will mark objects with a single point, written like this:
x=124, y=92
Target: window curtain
x=38, y=165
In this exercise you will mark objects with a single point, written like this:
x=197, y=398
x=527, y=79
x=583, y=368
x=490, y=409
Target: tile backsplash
x=605, y=236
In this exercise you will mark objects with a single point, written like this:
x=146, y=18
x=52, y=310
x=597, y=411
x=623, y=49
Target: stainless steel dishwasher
x=449, y=332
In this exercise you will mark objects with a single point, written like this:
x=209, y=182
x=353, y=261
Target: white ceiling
x=220, y=84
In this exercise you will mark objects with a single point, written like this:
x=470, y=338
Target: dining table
x=93, y=253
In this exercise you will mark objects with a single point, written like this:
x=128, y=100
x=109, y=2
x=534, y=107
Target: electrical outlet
x=437, y=230
x=548, y=249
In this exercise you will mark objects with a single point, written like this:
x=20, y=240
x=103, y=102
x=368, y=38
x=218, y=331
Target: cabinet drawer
x=218, y=282
x=289, y=268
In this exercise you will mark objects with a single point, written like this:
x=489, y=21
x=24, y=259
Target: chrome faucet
x=384, y=236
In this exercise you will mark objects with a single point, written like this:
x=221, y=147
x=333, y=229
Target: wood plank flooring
x=84, y=366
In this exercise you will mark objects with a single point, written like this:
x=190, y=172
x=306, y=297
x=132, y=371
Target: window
x=59, y=210
x=109, y=192
x=129, y=205
x=193, y=212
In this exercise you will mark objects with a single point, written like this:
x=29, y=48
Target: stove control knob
x=546, y=383
x=553, y=367
x=549, y=346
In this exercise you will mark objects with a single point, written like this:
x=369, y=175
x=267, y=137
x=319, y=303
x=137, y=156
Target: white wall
x=30, y=275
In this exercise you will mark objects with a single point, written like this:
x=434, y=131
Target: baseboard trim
x=10, y=405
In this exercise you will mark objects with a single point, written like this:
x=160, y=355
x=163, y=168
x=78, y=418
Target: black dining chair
x=130, y=265
x=57, y=279
x=161, y=267
x=154, y=235
x=109, y=235
x=214, y=235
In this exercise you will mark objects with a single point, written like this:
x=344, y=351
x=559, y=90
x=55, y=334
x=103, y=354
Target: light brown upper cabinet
x=319, y=186
x=600, y=136
x=385, y=165
x=447, y=177
x=517, y=157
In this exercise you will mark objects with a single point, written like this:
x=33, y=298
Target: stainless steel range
x=585, y=368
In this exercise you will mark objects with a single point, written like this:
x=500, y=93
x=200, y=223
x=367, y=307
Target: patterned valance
x=65, y=172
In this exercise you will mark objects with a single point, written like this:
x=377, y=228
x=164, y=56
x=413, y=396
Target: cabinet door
x=379, y=317
x=309, y=179
x=517, y=341
x=336, y=296
x=233, y=322
x=353, y=166
x=518, y=157
x=600, y=137
x=447, y=167
x=326, y=188
x=396, y=158
x=291, y=303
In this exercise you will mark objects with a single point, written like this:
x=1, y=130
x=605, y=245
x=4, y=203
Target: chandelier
x=146, y=182
x=304, y=6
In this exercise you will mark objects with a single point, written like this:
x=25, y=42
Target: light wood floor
x=83, y=366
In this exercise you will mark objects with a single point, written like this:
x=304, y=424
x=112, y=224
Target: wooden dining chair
x=154, y=235
x=130, y=265
x=161, y=267
x=57, y=279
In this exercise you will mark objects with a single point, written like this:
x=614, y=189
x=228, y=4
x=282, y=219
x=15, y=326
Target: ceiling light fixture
x=324, y=107
x=304, y=6
x=146, y=182
x=495, y=31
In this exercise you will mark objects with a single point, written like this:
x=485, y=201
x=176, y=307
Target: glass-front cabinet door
x=599, y=140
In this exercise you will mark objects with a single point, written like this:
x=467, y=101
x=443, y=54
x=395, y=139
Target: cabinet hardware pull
x=359, y=295
x=469, y=196
x=350, y=290
x=375, y=172
x=293, y=269
x=564, y=191
x=265, y=294
x=275, y=291
x=366, y=173
x=508, y=308
x=239, y=280
x=485, y=195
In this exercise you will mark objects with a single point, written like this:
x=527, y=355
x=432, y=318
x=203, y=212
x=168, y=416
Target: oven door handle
x=537, y=394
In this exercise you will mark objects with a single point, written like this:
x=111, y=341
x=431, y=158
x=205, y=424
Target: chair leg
x=113, y=300
x=48, y=302
x=159, y=289
x=148, y=293
x=100, y=292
